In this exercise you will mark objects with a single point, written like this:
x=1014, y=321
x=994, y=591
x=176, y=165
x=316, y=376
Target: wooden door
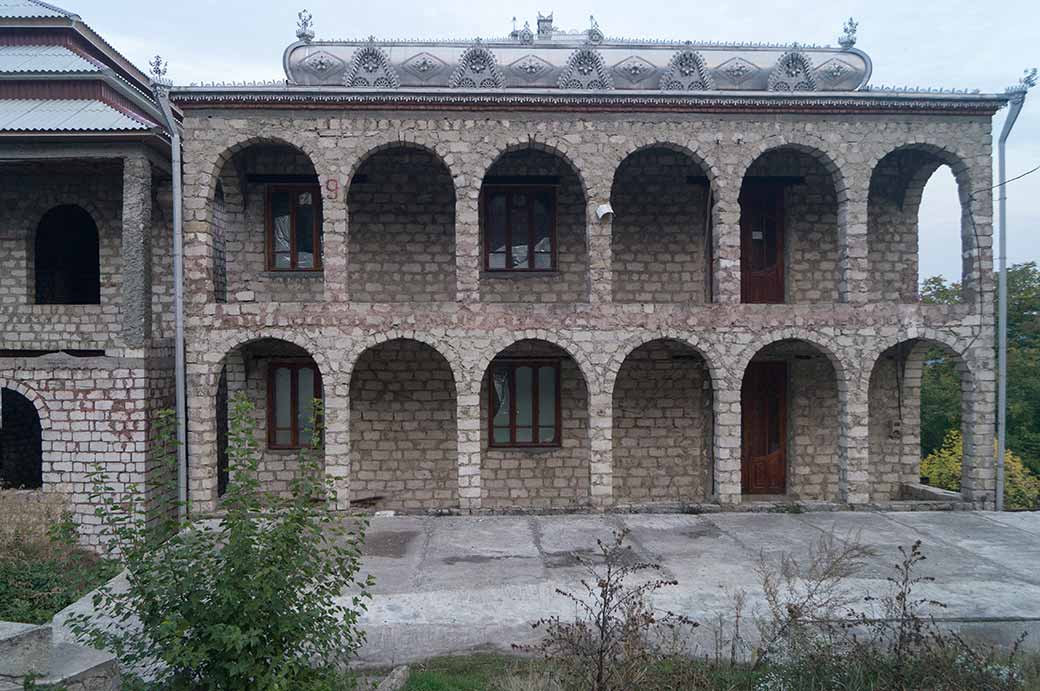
x=762, y=243
x=763, y=403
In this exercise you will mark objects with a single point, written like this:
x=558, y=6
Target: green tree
x=943, y=469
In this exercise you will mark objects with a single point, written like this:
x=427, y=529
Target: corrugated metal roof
x=31, y=9
x=38, y=115
x=43, y=59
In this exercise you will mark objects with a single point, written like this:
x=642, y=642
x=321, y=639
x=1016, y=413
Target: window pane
x=542, y=230
x=280, y=220
x=497, y=260
x=282, y=398
x=496, y=226
x=306, y=392
x=543, y=261
x=546, y=404
x=282, y=261
x=283, y=437
x=305, y=230
x=524, y=435
x=520, y=228
x=500, y=397
x=501, y=435
x=524, y=397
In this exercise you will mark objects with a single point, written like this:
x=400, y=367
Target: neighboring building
x=549, y=271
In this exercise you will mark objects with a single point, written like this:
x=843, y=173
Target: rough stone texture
x=662, y=426
x=402, y=229
x=402, y=411
x=835, y=307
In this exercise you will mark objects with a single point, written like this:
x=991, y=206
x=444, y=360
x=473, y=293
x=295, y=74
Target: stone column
x=468, y=262
x=467, y=420
x=854, y=438
x=598, y=239
x=135, y=251
x=854, y=278
x=978, y=412
x=977, y=240
x=725, y=243
x=337, y=437
x=727, y=440
x=198, y=234
x=601, y=450
x=335, y=259
x=202, y=434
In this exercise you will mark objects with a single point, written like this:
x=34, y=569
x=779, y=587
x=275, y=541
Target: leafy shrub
x=943, y=469
x=41, y=574
x=248, y=601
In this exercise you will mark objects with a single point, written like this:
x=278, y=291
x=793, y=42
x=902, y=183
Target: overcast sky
x=951, y=43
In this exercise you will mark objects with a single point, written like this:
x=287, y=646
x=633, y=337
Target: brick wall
x=403, y=429
x=658, y=232
x=662, y=426
x=402, y=229
x=569, y=283
x=546, y=477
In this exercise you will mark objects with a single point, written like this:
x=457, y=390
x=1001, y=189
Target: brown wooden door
x=762, y=243
x=763, y=403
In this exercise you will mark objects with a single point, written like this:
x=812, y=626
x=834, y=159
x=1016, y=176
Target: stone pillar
x=598, y=239
x=468, y=262
x=727, y=440
x=978, y=412
x=199, y=282
x=725, y=243
x=854, y=278
x=202, y=434
x=601, y=450
x=467, y=420
x=977, y=241
x=337, y=437
x=136, y=251
x=854, y=438
x=335, y=259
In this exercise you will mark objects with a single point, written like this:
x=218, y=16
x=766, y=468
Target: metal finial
x=158, y=66
x=304, y=28
x=594, y=34
x=848, y=38
x=1025, y=83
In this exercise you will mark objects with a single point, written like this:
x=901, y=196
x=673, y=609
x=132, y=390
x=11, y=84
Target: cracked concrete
x=452, y=584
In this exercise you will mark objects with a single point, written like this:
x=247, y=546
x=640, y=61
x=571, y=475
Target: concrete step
x=77, y=667
x=24, y=649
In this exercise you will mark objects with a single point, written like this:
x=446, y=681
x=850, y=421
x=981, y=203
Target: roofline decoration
x=551, y=59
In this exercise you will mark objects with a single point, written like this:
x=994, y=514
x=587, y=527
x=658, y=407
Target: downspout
x=162, y=94
x=1017, y=97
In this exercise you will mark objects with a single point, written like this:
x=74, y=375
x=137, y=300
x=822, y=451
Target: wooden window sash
x=511, y=365
x=508, y=190
x=294, y=402
x=294, y=260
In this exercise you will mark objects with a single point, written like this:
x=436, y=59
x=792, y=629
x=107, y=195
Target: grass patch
x=469, y=673
x=42, y=574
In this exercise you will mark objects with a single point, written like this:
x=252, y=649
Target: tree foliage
x=247, y=601
x=943, y=469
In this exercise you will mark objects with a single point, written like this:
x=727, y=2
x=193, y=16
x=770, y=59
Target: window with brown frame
x=291, y=390
x=524, y=403
x=293, y=228
x=519, y=228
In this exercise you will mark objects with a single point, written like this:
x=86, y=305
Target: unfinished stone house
x=548, y=271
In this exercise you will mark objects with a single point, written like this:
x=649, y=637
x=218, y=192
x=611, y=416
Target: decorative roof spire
x=1027, y=82
x=304, y=28
x=160, y=84
x=594, y=34
x=848, y=38
x=545, y=26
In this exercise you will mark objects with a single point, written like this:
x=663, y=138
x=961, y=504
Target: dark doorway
x=67, y=258
x=763, y=403
x=762, y=243
x=21, y=442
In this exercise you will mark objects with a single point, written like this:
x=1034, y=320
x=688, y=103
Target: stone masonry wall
x=569, y=282
x=403, y=431
x=834, y=310
x=402, y=229
x=245, y=232
x=889, y=406
x=541, y=478
x=658, y=231
x=662, y=426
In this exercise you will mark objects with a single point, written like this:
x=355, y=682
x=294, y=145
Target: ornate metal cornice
x=589, y=60
x=470, y=100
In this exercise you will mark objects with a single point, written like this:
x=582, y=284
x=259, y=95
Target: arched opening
x=663, y=425
x=267, y=226
x=401, y=244
x=21, y=442
x=67, y=256
x=790, y=423
x=916, y=400
x=532, y=230
x=661, y=232
x=535, y=429
x=915, y=200
x=789, y=229
x=281, y=381
x=403, y=432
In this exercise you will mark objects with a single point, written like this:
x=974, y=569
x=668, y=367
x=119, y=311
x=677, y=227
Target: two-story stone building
x=558, y=270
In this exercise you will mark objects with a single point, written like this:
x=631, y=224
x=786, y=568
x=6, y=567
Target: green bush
x=252, y=600
x=943, y=469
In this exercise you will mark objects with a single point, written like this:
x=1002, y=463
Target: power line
x=1017, y=177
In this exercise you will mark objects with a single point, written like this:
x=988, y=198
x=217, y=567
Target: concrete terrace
x=451, y=584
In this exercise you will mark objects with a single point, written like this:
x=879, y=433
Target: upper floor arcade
x=688, y=211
